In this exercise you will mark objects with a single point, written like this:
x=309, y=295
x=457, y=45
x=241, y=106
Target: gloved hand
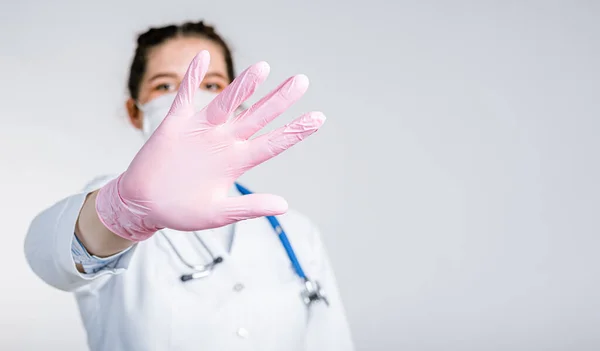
x=180, y=178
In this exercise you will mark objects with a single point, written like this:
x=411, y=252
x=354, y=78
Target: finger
x=270, y=107
x=272, y=144
x=184, y=101
x=236, y=93
x=239, y=208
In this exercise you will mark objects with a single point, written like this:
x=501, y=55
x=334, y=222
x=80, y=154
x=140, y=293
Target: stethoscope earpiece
x=203, y=272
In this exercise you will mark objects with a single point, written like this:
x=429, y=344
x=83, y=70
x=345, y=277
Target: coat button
x=243, y=333
x=238, y=287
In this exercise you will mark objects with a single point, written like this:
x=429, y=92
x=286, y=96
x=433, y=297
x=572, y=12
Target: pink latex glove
x=180, y=178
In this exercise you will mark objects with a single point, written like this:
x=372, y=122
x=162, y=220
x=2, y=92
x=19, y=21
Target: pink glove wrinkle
x=111, y=207
x=180, y=178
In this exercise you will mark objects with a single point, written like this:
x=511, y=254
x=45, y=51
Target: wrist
x=123, y=219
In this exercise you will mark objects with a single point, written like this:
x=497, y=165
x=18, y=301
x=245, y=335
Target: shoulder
x=296, y=219
x=305, y=237
x=301, y=229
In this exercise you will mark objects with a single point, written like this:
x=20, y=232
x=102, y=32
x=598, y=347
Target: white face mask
x=156, y=109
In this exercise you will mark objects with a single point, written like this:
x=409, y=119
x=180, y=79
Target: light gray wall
x=456, y=180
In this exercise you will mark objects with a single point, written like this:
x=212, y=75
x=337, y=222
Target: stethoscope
x=312, y=290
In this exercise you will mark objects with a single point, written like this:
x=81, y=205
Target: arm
x=93, y=235
x=180, y=177
x=328, y=327
x=49, y=244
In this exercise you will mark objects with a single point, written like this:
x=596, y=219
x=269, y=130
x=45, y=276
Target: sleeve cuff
x=92, y=263
x=64, y=244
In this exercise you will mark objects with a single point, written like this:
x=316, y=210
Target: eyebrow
x=215, y=74
x=162, y=75
x=174, y=76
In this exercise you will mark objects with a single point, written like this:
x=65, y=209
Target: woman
x=118, y=245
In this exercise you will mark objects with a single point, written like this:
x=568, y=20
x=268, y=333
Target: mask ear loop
x=143, y=130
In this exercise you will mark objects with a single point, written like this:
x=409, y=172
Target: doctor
x=173, y=254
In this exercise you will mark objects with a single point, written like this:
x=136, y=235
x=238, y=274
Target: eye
x=212, y=87
x=164, y=87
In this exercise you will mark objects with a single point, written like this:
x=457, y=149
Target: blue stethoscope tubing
x=282, y=237
x=312, y=289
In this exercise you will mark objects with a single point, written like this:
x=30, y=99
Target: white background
x=456, y=180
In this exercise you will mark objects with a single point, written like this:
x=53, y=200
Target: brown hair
x=156, y=36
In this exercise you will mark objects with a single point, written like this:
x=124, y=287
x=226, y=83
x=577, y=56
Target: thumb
x=239, y=208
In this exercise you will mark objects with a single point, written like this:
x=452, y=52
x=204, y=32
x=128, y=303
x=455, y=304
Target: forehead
x=175, y=55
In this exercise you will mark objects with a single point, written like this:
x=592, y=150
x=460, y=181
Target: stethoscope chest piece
x=313, y=292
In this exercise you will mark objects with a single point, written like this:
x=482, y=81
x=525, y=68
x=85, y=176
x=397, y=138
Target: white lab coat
x=251, y=301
